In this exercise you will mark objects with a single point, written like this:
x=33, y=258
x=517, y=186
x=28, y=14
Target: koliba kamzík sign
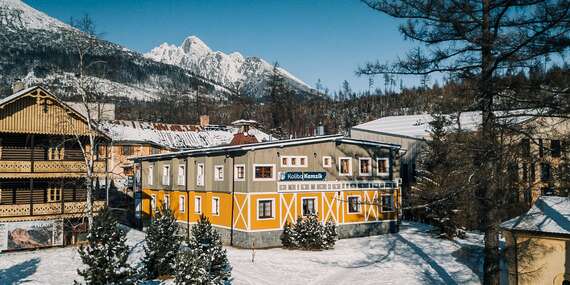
x=303, y=176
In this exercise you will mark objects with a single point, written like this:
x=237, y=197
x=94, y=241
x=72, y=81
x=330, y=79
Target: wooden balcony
x=47, y=168
x=26, y=212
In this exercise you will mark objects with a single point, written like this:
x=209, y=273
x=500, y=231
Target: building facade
x=43, y=171
x=250, y=191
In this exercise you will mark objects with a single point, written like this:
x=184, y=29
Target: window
x=384, y=166
x=309, y=206
x=364, y=167
x=219, y=173
x=293, y=161
x=555, y=149
x=264, y=171
x=181, y=204
x=154, y=150
x=387, y=203
x=239, y=172
x=545, y=172
x=345, y=166
x=327, y=161
x=54, y=194
x=353, y=204
x=128, y=150
x=166, y=202
x=264, y=209
x=540, y=148
x=153, y=202
x=198, y=205
x=200, y=175
x=215, y=206
x=166, y=175
x=150, y=175
x=181, y=175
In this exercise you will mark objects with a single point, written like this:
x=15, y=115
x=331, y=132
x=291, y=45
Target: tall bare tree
x=479, y=41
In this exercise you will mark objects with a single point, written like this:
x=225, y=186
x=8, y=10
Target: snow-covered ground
x=411, y=256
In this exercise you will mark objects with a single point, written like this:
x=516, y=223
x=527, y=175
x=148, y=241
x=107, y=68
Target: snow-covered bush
x=205, y=261
x=309, y=234
x=161, y=245
x=106, y=253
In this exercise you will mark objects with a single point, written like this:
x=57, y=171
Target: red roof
x=242, y=138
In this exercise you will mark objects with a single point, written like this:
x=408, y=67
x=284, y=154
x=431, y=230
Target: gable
x=38, y=112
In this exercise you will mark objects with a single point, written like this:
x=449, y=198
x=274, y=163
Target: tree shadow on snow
x=17, y=274
x=470, y=256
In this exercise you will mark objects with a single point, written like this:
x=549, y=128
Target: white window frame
x=383, y=174
x=264, y=165
x=236, y=178
x=198, y=205
x=181, y=174
x=200, y=179
x=272, y=200
x=216, y=213
x=153, y=202
x=382, y=205
x=360, y=159
x=150, y=175
x=166, y=201
x=297, y=165
x=327, y=165
x=181, y=203
x=340, y=159
x=166, y=178
x=316, y=204
x=359, y=203
x=216, y=176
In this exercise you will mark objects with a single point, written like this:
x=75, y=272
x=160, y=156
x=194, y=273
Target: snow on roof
x=176, y=136
x=550, y=214
x=417, y=126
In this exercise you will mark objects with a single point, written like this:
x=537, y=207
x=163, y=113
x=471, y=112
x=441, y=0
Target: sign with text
x=303, y=176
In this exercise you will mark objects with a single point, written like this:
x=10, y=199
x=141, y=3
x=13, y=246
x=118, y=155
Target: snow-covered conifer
x=161, y=245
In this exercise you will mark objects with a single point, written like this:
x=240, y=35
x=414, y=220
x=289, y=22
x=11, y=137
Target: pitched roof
x=550, y=214
x=269, y=144
x=243, y=138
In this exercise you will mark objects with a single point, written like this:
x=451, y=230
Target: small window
x=353, y=204
x=284, y=161
x=181, y=175
x=263, y=172
x=364, y=167
x=540, y=148
x=150, y=175
x=200, y=175
x=239, y=172
x=166, y=175
x=309, y=206
x=327, y=161
x=264, y=209
x=128, y=150
x=181, y=204
x=387, y=203
x=166, y=202
x=555, y=148
x=54, y=194
x=345, y=166
x=215, y=206
x=545, y=172
x=198, y=205
x=219, y=173
x=293, y=161
x=383, y=166
x=153, y=202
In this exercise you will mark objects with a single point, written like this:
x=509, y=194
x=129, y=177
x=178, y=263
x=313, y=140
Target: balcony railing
x=43, y=209
x=48, y=166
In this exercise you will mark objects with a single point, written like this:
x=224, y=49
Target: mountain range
x=38, y=49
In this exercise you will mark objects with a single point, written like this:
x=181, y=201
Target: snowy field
x=411, y=256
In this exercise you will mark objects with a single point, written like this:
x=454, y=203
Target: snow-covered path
x=411, y=256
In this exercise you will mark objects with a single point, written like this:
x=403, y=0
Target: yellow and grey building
x=250, y=191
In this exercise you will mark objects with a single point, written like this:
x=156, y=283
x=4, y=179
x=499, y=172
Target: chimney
x=242, y=136
x=320, y=130
x=18, y=86
x=204, y=120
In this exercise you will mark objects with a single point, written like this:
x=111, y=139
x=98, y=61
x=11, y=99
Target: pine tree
x=161, y=245
x=289, y=236
x=106, y=253
x=208, y=262
x=330, y=234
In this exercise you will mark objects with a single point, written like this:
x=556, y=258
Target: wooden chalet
x=43, y=173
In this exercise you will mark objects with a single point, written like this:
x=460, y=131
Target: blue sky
x=313, y=39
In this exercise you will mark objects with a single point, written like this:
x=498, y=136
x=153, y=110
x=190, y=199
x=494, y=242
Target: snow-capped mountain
x=232, y=70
